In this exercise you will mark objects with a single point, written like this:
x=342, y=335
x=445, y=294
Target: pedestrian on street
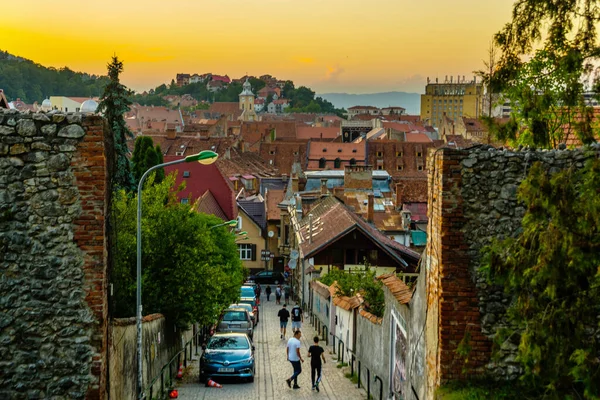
x=257, y=290
x=278, y=295
x=316, y=353
x=283, y=315
x=293, y=355
x=287, y=294
x=297, y=318
x=268, y=292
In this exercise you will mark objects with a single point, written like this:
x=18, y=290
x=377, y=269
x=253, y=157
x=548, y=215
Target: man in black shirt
x=297, y=318
x=316, y=353
x=283, y=315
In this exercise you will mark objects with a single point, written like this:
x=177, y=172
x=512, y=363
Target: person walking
x=286, y=290
x=283, y=315
x=293, y=355
x=257, y=291
x=278, y=295
x=316, y=353
x=268, y=292
x=297, y=318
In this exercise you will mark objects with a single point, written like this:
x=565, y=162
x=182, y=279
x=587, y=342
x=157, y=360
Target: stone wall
x=472, y=200
x=160, y=344
x=54, y=198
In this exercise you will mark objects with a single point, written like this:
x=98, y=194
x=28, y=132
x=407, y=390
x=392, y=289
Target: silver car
x=236, y=320
x=247, y=307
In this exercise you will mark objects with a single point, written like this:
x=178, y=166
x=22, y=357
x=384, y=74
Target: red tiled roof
x=202, y=178
x=399, y=290
x=273, y=198
x=348, y=303
x=332, y=150
x=417, y=138
x=313, y=132
x=208, y=204
x=362, y=108
x=418, y=211
x=228, y=108
x=321, y=288
x=285, y=154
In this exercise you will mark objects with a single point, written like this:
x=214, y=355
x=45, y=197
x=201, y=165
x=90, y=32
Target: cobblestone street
x=272, y=368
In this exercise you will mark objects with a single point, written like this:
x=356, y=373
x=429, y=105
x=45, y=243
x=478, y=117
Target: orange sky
x=353, y=46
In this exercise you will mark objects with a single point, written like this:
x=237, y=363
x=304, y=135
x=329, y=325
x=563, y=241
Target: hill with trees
x=31, y=82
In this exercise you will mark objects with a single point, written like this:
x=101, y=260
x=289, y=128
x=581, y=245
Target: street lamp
x=233, y=222
x=242, y=233
x=205, y=157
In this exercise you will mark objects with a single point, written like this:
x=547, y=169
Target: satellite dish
x=271, y=234
x=294, y=254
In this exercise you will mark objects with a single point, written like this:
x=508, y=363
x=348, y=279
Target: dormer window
x=398, y=154
x=272, y=152
x=420, y=168
x=339, y=150
x=419, y=154
x=324, y=150
x=380, y=154
x=186, y=174
x=354, y=150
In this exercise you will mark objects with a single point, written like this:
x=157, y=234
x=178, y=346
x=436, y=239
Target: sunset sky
x=353, y=46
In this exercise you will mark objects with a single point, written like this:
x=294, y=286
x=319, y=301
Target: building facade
x=453, y=99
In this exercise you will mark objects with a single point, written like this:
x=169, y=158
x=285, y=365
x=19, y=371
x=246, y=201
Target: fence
x=323, y=330
x=169, y=370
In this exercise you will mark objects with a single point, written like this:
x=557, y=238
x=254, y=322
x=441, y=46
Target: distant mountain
x=410, y=101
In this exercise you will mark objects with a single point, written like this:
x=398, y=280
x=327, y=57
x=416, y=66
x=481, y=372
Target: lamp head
x=205, y=157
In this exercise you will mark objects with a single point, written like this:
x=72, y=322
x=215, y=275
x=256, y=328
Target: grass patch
x=353, y=377
x=479, y=391
x=342, y=365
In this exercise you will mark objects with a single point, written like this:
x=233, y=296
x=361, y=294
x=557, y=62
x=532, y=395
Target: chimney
x=321, y=136
x=398, y=198
x=298, y=207
x=227, y=155
x=324, y=190
x=370, y=208
x=295, y=183
x=241, y=145
x=405, y=219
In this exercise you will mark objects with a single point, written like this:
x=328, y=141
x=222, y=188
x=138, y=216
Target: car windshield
x=228, y=343
x=251, y=302
x=246, y=306
x=247, y=291
x=235, y=316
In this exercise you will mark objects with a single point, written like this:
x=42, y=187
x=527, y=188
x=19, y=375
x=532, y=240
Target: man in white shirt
x=293, y=356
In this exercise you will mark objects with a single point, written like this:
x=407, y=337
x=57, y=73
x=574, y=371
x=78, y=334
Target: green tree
x=114, y=104
x=548, y=52
x=145, y=156
x=551, y=269
x=190, y=272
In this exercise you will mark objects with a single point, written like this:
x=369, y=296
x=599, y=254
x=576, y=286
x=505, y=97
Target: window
x=322, y=162
x=186, y=174
x=380, y=154
x=380, y=167
x=353, y=161
x=272, y=152
x=419, y=154
x=324, y=150
x=185, y=200
x=398, y=154
x=420, y=168
x=337, y=163
x=245, y=251
x=398, y=167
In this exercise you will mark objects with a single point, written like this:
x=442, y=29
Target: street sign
x=271, y=255
x=292, y=263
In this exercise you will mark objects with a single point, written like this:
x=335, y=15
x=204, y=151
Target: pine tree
x=114, y=104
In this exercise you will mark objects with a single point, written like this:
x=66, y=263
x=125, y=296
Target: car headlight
x=247, y=361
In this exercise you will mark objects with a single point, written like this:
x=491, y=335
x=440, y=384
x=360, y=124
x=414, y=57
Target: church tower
x=247, y=103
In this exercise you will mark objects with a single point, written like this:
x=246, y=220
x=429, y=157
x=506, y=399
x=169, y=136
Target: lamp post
x=205, y=157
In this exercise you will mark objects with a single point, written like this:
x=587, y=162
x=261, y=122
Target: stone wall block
x=42, y=117
x=19, y=148
x=26, y=128
x=7, y=130
x=59, y=162
x=48, y=129
x=58, y=117
x=71, y=131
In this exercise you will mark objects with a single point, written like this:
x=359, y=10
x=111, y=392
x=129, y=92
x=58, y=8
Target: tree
x=551, y=270
x=487, y=76
x=145, y=156
x=562, y=56
x=190, y=272
x=114, y=104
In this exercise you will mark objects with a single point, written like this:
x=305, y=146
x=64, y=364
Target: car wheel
x=251, y=379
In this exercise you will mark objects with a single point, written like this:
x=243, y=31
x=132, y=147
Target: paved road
x=272, y=368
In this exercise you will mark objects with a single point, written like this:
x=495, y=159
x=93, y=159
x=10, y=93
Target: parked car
x=248, y=308
x=268, y=277
x=252, y=302
x=229, y=355
x=247, y=291
x=236, y=320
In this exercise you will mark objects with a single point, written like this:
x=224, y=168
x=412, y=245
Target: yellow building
x=67, y=104
x=251, y=219
x=455, y=99
x=247, y=103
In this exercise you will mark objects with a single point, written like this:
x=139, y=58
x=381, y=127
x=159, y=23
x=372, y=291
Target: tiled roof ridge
x=372, y=318
x=397, y=287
